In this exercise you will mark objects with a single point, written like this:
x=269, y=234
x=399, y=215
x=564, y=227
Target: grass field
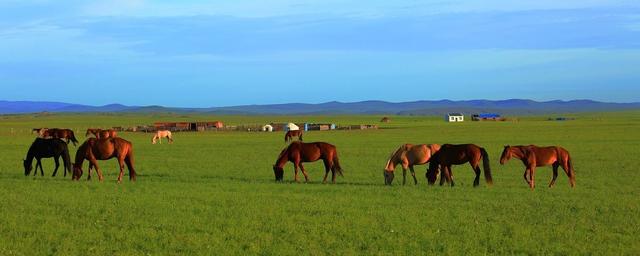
x=214, y=192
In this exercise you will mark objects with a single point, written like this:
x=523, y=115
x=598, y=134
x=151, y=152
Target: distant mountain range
x=440, y=107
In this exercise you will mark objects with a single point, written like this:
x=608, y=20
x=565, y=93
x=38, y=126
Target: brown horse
x=408, y=155
x=102, y=149
x=533, y=156
x=59, y=134
x=298, y=152
x=455, y=155
x=101, y=134
x=290, y=134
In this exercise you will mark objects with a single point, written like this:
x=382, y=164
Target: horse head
x=388, y=177
x=432, y=172
x=27, y=167
x=506, y=154
x=77, y=171
x=278, y=172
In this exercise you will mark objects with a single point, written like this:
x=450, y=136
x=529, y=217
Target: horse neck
x=394, y=159
x=30, y=155
x=80, y=154
x=283, y=158
x=517, y=152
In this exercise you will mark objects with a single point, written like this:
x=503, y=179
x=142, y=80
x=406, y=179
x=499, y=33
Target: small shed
x=454, y=117
x=385, y=120
x=267, y=128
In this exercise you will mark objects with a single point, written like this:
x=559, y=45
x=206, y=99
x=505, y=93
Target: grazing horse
x=60, y=134
x=292, y=133
x=533, y=156
x=162, y=134
x=46, y=148
x=408, y=155
x=455, y=155
x=101, y=134
x=298, y=152
x=103, y=149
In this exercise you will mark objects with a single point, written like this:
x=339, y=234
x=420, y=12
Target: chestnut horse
x=101, y=134
x=408, y=155
x=533, y=156
x=162, y=134
x=292, y=133
x=59, y=134
x=298, y=152
x=455, y=155
x=102, y=149
x=46, y=148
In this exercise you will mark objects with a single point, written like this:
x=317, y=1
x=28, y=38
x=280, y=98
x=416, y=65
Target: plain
x=214, y=192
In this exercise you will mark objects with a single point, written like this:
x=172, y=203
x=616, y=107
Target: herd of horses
x=106, y=145
x=53, y=143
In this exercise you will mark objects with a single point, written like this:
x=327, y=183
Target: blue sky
x=220, y=53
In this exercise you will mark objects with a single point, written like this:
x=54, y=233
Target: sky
x=196, y=53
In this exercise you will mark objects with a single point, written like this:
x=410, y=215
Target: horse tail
x=72, y=137
x=487, y=167
x=128, y=160
x=336, y=164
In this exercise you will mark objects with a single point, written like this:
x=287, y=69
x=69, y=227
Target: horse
x=455, y=155
x=46, y=148
x=533, y=156
x=60, y=134
x=292, y=133
x=298, y=152
x=39, y=131
x=103, y=149
x=408, y=155
x=100, y=133
x=162, y=134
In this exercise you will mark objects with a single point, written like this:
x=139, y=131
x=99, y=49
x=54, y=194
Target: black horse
x=46, y=148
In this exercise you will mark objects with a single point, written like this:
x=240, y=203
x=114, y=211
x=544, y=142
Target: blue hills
x=437, y=107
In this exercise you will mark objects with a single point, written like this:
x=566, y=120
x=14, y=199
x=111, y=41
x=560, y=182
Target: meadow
x=213, y=193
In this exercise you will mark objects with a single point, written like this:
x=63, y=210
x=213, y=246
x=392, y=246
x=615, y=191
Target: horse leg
x=55, y=171
x=304, y=172
x=555, y=174
x=295, y=168
x=89, y=171
x=404, y=175
x=443, y=174
x=121, y=163
x=477, y=170
x=94, y=162
x=413, y=173
x=450, y=175
x=532, y=174
x=39, y=164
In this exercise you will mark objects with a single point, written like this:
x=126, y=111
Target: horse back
x=546, y=155
x=457, y=154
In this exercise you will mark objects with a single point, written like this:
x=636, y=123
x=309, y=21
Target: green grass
x=213, y=192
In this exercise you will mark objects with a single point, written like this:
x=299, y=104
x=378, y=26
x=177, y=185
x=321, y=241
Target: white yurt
x=267, y=128
x=292, y=127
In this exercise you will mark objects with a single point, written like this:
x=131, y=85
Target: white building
x=454, y=117
x=267, y=128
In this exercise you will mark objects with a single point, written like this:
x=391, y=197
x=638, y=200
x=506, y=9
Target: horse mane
x=403, y=146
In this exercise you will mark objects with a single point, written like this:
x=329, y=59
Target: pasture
x=214, y=192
